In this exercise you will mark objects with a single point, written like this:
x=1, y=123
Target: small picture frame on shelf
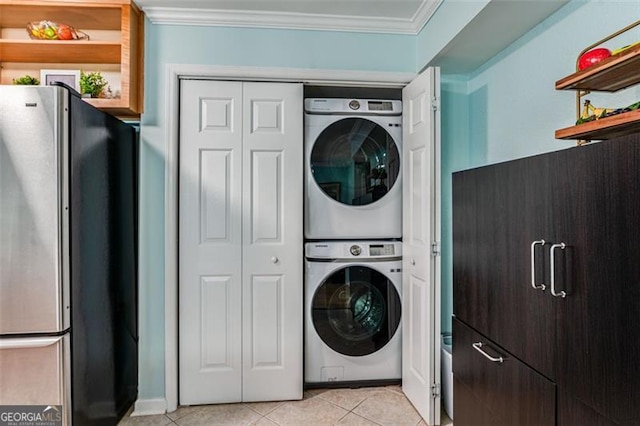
x=69, y=77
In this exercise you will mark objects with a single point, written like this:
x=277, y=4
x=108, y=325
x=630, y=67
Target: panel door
x=597, y=193
x=272, y=242
x=210, y=242
x=421, y=228
x=499, y=211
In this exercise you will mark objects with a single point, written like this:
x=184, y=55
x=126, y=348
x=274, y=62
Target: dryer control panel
x=382, y=250
x=351, y=250
x=352, y=106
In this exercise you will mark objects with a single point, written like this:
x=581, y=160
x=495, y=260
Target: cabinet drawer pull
x=478, y=347
x=553, y=271
x=533, y=266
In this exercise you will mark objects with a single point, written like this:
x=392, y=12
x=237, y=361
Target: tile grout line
x=352, y=410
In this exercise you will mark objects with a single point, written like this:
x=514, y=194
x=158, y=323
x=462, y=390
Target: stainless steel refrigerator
x=68, y=255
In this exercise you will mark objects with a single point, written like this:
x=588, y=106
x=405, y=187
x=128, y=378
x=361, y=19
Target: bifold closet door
x=272, y=242
x=210, y=242
x=240, y=227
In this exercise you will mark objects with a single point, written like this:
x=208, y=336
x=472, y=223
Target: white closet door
x=272, y=242
x=421, y=281
x=210, y=238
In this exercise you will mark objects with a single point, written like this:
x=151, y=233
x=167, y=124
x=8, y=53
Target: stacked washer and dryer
x=353, y=249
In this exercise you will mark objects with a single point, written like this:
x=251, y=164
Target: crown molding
x=302, y=21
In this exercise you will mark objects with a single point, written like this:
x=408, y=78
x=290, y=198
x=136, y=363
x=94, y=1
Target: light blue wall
x=167, y=44
x=506, y=109
x=509, y=108
x=175, y=44
x=516, y=89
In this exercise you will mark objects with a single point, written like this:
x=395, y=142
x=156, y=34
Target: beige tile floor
x=365, y=406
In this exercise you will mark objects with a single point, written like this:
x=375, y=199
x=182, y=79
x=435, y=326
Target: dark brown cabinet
x=501, y=213
x=584, y=203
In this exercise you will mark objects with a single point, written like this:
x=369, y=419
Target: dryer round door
x=355, y=161
x=356, y=310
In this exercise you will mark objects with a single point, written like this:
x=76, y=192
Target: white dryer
x=353, y=311
x=352, y=165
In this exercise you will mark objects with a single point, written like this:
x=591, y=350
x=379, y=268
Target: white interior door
x=421, y=229
x=210, y=241
x=272, y=242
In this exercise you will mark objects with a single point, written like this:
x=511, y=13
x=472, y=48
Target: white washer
x=353, y=293
x=353, y=152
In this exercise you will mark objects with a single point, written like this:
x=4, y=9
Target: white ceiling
x=381, y=16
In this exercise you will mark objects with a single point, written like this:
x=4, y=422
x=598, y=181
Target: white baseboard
x=149, y=407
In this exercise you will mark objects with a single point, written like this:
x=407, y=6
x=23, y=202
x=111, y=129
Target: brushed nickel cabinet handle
x=478, y=347
x=541, y=286
x=562, y=294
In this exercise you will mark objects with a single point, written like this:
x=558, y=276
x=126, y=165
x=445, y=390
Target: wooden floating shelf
x=116, y=28
x=610, y=75
x=604, y=128
x=92, y=14
x=55, y=51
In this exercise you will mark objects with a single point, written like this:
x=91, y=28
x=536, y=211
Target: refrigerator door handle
x=29, y=342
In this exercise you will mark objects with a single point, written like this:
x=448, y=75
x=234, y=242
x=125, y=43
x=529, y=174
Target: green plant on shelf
x=92, y=83
x=26, y=80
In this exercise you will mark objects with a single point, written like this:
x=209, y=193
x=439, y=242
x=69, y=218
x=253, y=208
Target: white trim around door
x=175, y=72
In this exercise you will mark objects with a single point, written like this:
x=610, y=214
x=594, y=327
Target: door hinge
x=435, y=390
x=435, y=248
x=435, y=103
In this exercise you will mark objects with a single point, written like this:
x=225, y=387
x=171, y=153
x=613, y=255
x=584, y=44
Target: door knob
x=274, y=259
x=413, y=261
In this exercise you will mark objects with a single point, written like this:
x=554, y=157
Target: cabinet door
x=272, y=242
x=597, y=195
x=497, y=383
x=498, y=212
x=210, y=242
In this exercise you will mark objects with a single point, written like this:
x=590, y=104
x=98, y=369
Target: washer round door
x=356, y=310
x=355, y=161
